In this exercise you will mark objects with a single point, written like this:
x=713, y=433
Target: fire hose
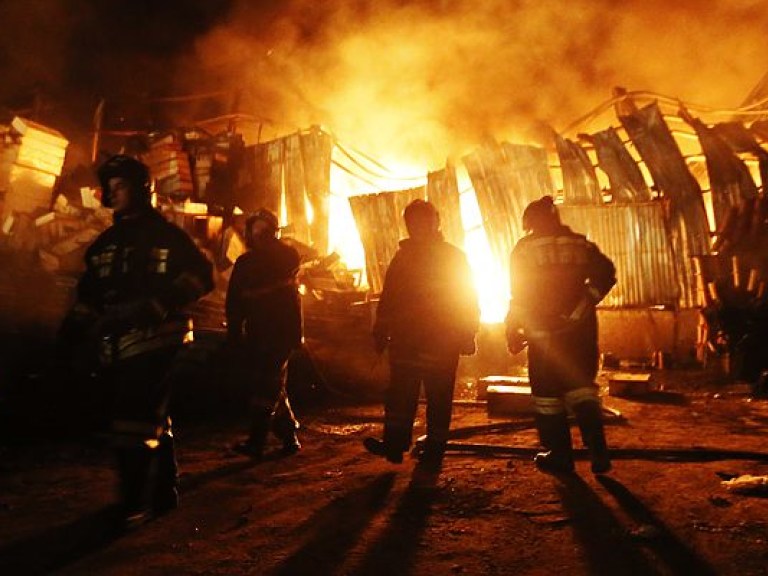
x=656, y=454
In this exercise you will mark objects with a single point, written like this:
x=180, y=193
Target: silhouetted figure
x=140, y=274
x=264, y=325
x=427, y=315
x=557, y=278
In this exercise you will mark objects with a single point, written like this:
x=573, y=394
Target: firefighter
x=557, y=279
x=264, y=324
x=427, y=316
x=140, y=274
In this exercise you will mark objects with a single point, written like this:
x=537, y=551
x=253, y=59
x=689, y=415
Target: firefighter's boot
x=136, y=467
x=590, y=419
x=285, y=425
x=166, y=489
x=381, y=448
x=253, y=446
x=432, y=456
x=555, y=436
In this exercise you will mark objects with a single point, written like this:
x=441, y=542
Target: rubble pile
x=191, y=164
x=42, y=238
x=33, y=223
x=170, y=166
x=732, y=284
x=31, y=158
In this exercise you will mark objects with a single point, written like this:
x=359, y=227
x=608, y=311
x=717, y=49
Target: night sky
x=70, y=53
x=415, y=80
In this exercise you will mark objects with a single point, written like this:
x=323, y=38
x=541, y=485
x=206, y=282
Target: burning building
x=662, y=191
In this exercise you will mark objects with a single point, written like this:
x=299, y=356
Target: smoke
x=413, y=82
x=31, y=41
x=409, y=81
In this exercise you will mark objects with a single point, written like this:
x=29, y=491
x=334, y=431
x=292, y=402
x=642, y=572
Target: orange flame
x=491, y=283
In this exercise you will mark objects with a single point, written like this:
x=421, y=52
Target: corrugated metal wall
x=379, y=220
x=443, y=192
x=298, y=167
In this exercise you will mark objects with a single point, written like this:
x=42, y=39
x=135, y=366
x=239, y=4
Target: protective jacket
x=556, y=281
x=263, y=299
x=140, y=273
x=428, y=303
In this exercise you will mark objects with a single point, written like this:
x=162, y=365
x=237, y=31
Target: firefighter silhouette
x=140, y=274
x=557, y=279
x=427, y=316
x=264, y=325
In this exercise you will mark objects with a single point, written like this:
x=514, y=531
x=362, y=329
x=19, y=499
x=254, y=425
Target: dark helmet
x=541, y=214
x=421, y=215
x=264, y=215
x=132, y=170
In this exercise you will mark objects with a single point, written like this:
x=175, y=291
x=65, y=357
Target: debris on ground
x=747, y=484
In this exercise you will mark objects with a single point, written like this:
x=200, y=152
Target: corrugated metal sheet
x=527, y=174
x=579, y=179
x=689, y=230
x=270, y=157
x=295, y=199
x=380, y=224
x=729, y=177
x=443, y=192
x=506, y=178
x=627, y=182
x=740, y=139
x=316, y=149
x=298, y=165
x=485, y=167
x=634, y=236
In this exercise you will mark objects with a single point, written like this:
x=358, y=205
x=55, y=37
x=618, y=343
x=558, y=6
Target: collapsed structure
x=676, y=203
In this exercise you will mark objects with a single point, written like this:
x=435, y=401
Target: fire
x=491, y=283
x=343, y=237
x=490, y=280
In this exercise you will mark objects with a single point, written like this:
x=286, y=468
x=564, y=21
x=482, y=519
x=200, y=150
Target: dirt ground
x=334, y=509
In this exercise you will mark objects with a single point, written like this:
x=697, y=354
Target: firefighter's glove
x=587, y=303
x=516, y=341
x=592, y=296
x=380, y=342
x=580, y=311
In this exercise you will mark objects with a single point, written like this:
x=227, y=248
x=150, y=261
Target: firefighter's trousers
x=402, y=398
x=562, y=367
x=141, y=433
x=270, y=406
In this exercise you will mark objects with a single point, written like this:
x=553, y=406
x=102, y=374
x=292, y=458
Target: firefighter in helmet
x=264, y=324
x=557, y=279
x=428, y=316
x=140, y=274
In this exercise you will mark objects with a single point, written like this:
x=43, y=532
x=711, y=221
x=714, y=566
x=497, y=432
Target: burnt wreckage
x=672, y=200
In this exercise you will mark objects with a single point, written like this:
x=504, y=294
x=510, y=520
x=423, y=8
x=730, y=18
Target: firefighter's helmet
x=265, y=215
x=540, y=215
x=133, y=170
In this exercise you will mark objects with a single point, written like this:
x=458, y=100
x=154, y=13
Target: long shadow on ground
x=394, y=552
x=58, y=547
x=53, y=549
x=679, y=557
x=607, y=546
x=335, y=529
